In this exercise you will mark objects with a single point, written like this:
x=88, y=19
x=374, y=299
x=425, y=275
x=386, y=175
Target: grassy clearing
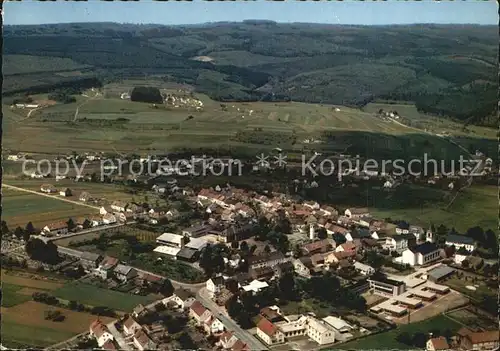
x=430, y=123
x=25, y=324
x=19, y=208
x=386, y=341
x=477, y=205
x=94, y=296
x=11, y=296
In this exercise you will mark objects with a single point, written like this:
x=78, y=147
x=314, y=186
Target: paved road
x=231, y=325
x=50, y=196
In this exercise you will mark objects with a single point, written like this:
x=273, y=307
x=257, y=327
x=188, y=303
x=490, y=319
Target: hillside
x=446, y=70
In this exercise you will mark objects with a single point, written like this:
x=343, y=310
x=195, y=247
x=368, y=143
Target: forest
x=447, y=70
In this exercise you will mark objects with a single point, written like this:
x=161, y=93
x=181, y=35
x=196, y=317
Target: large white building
x=421, y=254
x=460, y=241
x=276, y=333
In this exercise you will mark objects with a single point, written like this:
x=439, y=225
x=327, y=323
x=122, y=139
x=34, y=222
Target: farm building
x=48, y=189
x=65, y=192
x=58, y=228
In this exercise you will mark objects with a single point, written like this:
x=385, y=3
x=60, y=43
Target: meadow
x=94, y=296
x=23, y=320
x=477, y=205
x=108, y=123
x=387, y=340
x=19, y=208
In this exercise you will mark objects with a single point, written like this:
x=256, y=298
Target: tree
x=71, y=224
x=404, y=338
x=30, y=229
x=19, y=233
x=339, y=238
x=166, y=289
x=267, y=249
x=4, y=228
x=26, y=236
x=462, y=251
x=419, y=340
x=322, y=234
x=38, y=250
x=244, y=246
x=87, y=224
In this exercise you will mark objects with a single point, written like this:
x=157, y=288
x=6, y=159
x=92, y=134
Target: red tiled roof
x=348, y=246
x=198, y=308
x=129, y=322
x=109, y=345
x=239, y=346
x=267, y=327
x=485, y=336
x=57, y=225
x=320, y=244
x=98, y=328
x=141, y=337
x=440, y=343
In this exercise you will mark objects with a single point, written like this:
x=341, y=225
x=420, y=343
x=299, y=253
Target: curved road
x=50, y=196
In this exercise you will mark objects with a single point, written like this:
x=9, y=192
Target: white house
x=421, y=254
x=269, y=333
x=119, y=206
x=130, y=326
x=460, y=241
x=100, y=332
x=182, y=298
x=364, y=269
x=320, y=331
x=108, y=218
x=356, y=212
x=397, y=243
x=213, y=326
x=57, y=228
x=214, y=285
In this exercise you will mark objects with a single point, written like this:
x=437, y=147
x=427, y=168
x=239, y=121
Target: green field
x=477, y=205
x=19, y=208
x=143, y=127
x=387, y=341
x=94, y=296
x=412, y=117
x=11, y=295
x=16, y=335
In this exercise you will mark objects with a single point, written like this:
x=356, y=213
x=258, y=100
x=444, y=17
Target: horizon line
x=263, y=21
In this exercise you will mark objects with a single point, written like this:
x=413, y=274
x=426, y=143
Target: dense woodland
x=448, y=70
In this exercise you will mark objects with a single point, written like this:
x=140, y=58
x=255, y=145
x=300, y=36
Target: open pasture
x=26, y=324
x=94, y=296
x=433, y=124
x=477, y=205
x=19, y=208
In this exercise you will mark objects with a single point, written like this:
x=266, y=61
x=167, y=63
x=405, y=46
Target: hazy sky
x=198, y=11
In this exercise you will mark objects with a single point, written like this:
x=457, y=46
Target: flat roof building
x=386, y=287
x=437, y=274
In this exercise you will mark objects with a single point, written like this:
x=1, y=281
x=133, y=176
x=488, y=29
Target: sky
x=198, y=11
